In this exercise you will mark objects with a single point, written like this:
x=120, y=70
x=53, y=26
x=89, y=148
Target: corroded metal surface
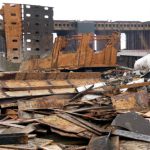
x=60, y=83
x=77, y=52
x=13, y=31
x=73, y=76
x=100, y=143
x=43, y=103
x=130, y=101
x=133, y=122
x=28, y=31
x=64, y=127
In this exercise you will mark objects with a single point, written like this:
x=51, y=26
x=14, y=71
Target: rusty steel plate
x=100, y=143
x=13, y=31
x=133, y=122
x=56, y=122
x=42, y=103
x=130, y=101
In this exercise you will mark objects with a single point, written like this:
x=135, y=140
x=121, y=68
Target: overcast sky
x=137, y=10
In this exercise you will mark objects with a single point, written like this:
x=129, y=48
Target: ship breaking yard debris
x=77, y=100
x=75, y=111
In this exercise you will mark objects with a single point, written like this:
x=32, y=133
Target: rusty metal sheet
x=132, y=135
x=83, y=75
x=42, y=103
x=13, y=31
x=100, y=143
x=133, y=122
x=59, y=83
x=82, y=55
x=14, y=85
x=134, y=144
x=128, y=101
x=64, y=91
x=11, y=94
x=32, y=144
x=62, y=133
x=49, y=75
x=81, y=82
x=39, y=91
x=56, y=122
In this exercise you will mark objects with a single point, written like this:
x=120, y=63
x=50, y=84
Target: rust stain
x=128, y=101
x=63, y=57
x=13, y=31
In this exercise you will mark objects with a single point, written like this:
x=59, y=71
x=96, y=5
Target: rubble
x=90, y=109
x=59, y=101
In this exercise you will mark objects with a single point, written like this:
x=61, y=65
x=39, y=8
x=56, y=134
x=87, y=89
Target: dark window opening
x=13, y=14
x=36, y=32
x=36, y=15
x=15, y=57
x=37, y=24
x=14, y=40
x=37, y=49
x=15, y=49
x=14, y=23
x=37, y=40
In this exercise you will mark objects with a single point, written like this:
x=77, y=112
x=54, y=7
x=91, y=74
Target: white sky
x=114, y=10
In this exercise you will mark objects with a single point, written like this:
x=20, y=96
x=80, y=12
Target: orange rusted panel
x=76, y=52
x=13, y=31
x=62, y=124
x=131, y=101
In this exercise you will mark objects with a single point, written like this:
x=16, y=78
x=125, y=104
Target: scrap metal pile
x=75, y=111
x=68, y=110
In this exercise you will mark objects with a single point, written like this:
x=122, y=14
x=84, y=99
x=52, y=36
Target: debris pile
x=75, y=111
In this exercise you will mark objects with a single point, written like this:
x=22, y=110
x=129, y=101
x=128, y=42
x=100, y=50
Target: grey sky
x=94, y=9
